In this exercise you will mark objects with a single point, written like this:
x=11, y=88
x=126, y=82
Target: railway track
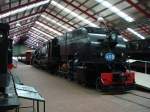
x=136, y=97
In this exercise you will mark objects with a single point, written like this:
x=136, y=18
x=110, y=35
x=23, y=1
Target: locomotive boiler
x=91, y=56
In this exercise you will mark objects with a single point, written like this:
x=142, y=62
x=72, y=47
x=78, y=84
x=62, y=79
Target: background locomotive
x=139, y=50
x=25, y=57
x=92, y=56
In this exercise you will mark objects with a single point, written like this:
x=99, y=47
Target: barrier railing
x=145, y=63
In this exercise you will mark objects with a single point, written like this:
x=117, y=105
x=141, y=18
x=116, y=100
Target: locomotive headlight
x=110, y=56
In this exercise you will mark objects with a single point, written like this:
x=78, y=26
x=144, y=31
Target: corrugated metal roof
x=42, y=20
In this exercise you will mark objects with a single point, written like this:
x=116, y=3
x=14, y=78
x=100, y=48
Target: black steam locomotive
x=91, y=56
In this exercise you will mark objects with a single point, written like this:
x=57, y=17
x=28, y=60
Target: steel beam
x=60, y=19
x=22, y=25
x=138, y=8
x=83, y=11
x=30, y=15
x=145, y=30
x=20, y=6
x=20, y=29
x=30, y=36
x=18, y=35
x=42, y=10
x=21, y=34
x=32, y=31
x=33, y=44
x=50, y=27
x=135, y=24
x=126, y=35
x=25, y=29
x=33, y=40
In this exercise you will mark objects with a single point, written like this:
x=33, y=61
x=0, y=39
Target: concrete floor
x=142, y=80
x=65, y=96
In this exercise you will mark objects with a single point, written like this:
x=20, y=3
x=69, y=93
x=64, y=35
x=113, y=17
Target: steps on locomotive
x=142, y=80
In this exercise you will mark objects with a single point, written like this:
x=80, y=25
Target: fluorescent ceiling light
x=42, y=32
x=135, y=33
x=48, y=28
x=27, y=7
x=125, y=39
x=35, y=35
x=116, y=10
x=55, y=22
x=73, y=13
